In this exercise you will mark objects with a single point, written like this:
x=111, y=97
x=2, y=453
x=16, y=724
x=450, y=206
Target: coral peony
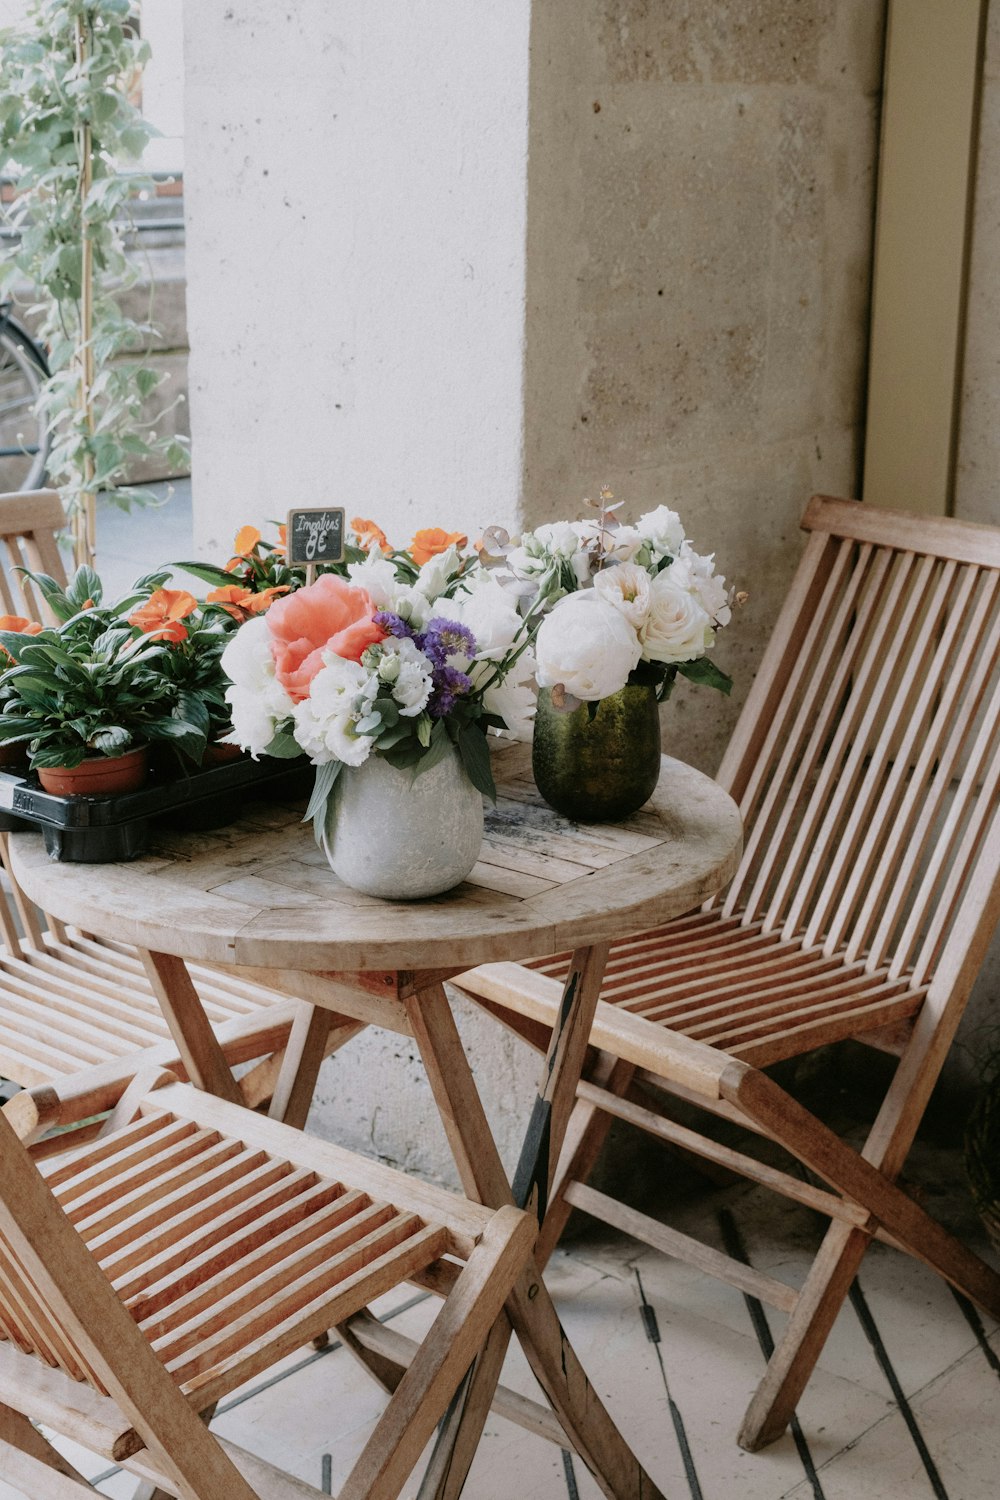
x=330, y=615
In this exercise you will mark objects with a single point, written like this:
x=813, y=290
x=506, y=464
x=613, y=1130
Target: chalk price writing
x=315, y=536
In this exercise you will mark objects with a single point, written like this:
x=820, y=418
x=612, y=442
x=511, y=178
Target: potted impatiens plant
x=388, y=673
x=90, y=694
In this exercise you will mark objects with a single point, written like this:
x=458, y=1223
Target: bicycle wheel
x=23, y=438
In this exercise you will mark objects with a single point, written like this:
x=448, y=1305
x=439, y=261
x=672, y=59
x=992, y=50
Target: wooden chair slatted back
x=867, y=760
x=29, y=524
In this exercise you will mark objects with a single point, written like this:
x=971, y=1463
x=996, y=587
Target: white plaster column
x=356, y=194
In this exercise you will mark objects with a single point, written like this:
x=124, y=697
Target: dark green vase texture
x=601, y=768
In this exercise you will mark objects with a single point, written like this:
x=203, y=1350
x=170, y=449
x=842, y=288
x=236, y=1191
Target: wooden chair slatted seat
x=148, y=1273
x=81, y=1014
x=866, y=766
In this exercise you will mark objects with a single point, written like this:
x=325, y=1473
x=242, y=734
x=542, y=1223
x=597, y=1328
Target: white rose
x=627, y=588
x=258, y=701
x=709, y=585
x=663, y=529
x=588, y=646
x=677, y=627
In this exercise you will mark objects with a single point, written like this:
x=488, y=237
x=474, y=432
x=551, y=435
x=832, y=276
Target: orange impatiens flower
x=244, y=542
x=18, y=625
x=369, y=535
x=242, y=603
x=282, y=543
x=162, y=615
x=432, y=540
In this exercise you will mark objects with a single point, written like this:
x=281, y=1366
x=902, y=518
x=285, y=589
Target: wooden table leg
x=184, y=1013
x=529, y=1310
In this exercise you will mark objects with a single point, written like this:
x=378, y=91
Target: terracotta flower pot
x=100, y=776
x=218, y=754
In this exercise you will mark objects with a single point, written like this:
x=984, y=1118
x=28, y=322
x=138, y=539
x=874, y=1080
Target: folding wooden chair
x=145, y=1275
x=866, y=765
x=83, y=1016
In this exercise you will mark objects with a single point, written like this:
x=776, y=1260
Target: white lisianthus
x=678, y=627
x=627, y=588
x=513, y=699
x=434, y=576
x=663, y=530
x=258, y=701
x=619, y=542
x=709, y=585
x=407, y=670
x=554, y=543
x=377, y=576
x=587, y=645
x=490, y=612
x=340, y=695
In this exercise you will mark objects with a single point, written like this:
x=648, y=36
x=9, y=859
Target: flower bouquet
x=626, y=610
x=387, y=671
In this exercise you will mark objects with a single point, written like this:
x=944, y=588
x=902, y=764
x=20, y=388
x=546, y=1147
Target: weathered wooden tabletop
x=261, y=893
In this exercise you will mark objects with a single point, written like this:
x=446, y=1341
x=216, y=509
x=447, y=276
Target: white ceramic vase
x=400, y=836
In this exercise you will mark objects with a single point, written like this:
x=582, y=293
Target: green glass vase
x=596, y=770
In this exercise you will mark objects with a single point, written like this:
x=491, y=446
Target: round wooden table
x=259, y=895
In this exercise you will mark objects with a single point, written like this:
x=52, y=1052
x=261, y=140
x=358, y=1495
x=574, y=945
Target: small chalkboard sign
x=315, y=536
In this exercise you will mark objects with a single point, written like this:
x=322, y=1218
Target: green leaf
x=111, y=741
x=440, y=746
x=706, y=674
x=326, y=776
x=208, y=572
x=284, y=746
x=424, y=729
x=474, y=749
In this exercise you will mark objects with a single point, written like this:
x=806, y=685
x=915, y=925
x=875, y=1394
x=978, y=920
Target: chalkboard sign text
x=315, y=536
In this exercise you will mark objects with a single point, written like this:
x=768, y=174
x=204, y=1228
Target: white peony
x=340, y=694
x=627, y=588
x=588, y=646
x=678, y=627
x=258, y=701
x=663, y=530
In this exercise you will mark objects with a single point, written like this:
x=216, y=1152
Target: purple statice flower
x=449, y=684
x=444, y=638
x=394, y=625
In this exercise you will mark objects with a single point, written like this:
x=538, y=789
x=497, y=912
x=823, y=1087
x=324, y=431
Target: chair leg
x=843, y=1249
x=585, y=1136
x=458, y=1333
x=808, y=1327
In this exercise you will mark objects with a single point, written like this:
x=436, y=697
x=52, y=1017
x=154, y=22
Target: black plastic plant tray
x=98, y=830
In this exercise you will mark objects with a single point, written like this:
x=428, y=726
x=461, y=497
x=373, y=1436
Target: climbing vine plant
x=68, y=130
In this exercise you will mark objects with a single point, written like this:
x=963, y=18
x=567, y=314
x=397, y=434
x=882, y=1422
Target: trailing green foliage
x=66, y=119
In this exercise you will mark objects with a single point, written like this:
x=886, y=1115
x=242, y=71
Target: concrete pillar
x=355, y=192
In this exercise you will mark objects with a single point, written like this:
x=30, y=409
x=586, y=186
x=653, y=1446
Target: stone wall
x=977, y=481
x=700, y=209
